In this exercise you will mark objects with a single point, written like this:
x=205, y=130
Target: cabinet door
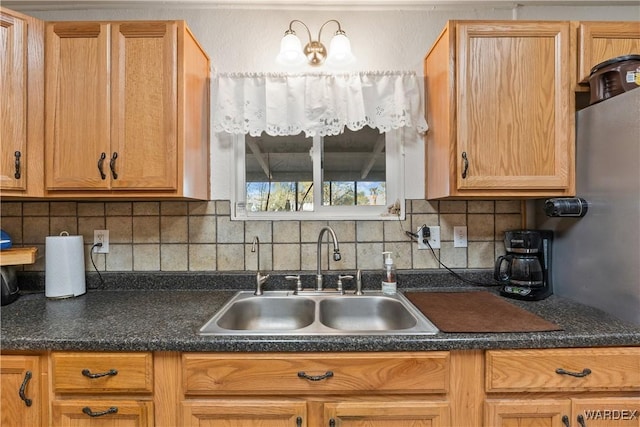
x=144, y=106
x=242, y=413
x=606, y=411
x=21, y=398
x=600, y=41
x=527, y=413
x=77, y=105
x=386, y=414
x=514, y=124
x=13, y=114
x=98, y=413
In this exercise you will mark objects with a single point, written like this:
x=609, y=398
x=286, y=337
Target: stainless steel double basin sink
x=283, y=313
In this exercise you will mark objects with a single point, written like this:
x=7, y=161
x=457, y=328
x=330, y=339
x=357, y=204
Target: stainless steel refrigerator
x=596, y=258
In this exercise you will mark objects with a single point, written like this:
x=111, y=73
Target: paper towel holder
x=64, y=266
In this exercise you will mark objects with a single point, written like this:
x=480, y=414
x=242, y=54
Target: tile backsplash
x=200, y=236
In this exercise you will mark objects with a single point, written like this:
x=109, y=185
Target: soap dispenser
x=389, y=283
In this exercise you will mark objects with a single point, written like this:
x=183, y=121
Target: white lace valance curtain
x=316, y=104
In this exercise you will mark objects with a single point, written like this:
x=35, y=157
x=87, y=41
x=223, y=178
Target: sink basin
x=283, y=313
x=263, y=314
x=365, y=313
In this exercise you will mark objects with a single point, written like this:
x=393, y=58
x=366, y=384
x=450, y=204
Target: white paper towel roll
x=64, y=266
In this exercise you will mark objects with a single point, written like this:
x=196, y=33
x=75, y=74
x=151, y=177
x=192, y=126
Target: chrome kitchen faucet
x=260, y=278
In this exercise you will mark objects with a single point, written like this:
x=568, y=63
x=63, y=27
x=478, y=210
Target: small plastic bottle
x=389, y=282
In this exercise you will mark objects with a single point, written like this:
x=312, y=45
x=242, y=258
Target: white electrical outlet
x=433, y=239
x=460, y=236
x=101, y=236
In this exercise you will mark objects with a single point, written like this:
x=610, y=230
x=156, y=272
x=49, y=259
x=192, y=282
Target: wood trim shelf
x=17, y=256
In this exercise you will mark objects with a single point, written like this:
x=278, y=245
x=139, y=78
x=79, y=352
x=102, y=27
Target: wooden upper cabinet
x=123, y=100
x=499, y=110
x=144, y=105
x=77, y=109
x=13, y=67
x=21, y=85
x=600, y=41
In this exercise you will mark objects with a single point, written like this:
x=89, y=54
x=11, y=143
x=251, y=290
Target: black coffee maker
x=525, y=270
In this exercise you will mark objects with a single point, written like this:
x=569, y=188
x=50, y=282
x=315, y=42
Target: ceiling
x=295, y=4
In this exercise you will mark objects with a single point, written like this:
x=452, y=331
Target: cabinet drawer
x=102, y=372
x=315, y=373
x=563, y=370
x=121, y=413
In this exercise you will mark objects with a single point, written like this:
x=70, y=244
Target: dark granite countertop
x=167, y=319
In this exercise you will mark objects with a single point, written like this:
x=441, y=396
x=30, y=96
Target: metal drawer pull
x=17, y=155
x=584, y=373
x=332, y=422
x=466, y=164
x=88, y=411
x=299, y=422
x=101, y=165
x=565, y=421
x=324, y=376
x=110, y=372
x=23, y=387
x=581, y=421
x=112, y=165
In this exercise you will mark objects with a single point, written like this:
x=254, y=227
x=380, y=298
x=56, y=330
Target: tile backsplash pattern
x=200, y=236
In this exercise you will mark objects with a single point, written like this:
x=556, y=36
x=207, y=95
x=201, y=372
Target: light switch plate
x=460, y=236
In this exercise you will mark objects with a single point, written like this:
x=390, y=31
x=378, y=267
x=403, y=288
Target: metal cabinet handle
x=23, y=387
x=112, y=165
x=324, y=376
x=584, y=373
x=299, y=422
x=110, y=372
x=465, y=163
x=17, y=155
x=332, y=422
x=565, y=421
x=101, y=165
x=88, y=411
x=581, y=421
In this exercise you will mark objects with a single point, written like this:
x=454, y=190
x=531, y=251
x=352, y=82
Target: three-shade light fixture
x=292, y=53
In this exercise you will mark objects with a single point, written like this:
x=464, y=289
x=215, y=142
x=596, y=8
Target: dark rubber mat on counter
x=476, y=312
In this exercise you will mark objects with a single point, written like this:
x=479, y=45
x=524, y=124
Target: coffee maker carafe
x=525, y=270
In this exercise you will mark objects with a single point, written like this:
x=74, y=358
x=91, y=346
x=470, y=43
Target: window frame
x=394, y=182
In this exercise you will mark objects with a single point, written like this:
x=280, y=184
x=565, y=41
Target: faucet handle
x=342, y=277
x=298, y=281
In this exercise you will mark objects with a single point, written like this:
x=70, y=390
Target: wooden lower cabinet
x=285, y=412
x=559, y=412
x=241, y=412
x=96, y=389
x=405, y=413
x=572, y=387
x=315, y=389
x=527, y=413
x=579, y=387
x=21, y=395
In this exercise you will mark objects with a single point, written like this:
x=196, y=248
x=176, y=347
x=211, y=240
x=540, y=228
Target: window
x=354, y=175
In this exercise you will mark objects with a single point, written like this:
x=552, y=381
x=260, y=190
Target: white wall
x=239, y=40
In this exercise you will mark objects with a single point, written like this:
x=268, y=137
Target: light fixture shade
x=340, y=51
x=291, y=51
